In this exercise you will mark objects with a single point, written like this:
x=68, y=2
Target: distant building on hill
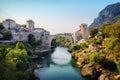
x=9, y=24
x=81, y=34
x=30, y=24
x=20, y=33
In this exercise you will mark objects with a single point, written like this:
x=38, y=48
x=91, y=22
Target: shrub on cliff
x=117, y=56
x=111, y=30
x=96, y=58
x=84, y=45
x=74, y=48
x=93, y=32
x=78, y=47
x=118, y=67
x=110, y=64
x=95, y=41
x=112, y=45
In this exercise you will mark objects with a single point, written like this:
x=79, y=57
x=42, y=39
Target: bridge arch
x=52, y=39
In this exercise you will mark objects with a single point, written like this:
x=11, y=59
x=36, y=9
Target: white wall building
x=21, y=33
x=9, y=24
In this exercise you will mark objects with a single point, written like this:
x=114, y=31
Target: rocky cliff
x=106, y=15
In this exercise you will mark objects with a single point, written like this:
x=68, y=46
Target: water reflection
x=61, y=56
x=57, y=66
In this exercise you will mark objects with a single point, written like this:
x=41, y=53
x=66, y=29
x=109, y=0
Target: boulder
x=79, y=62
x=117, y=77
x=103, y=77
x=89, y=71
x=107, y=76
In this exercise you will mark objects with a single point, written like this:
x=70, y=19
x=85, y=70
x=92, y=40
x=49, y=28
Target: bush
x=111, y=30
x=74, y=48
x=97, y=41
x=100, y=59
x=109, y=64
x=83, y=45
x=79, y=47
x=93, y=32
x=118, y=67
x=21, y=65
x=112, y=44
x=96, y=58
x=92, y=57
x=1, y=27
x=20, y=45
x=7, y=35
x=117, y=56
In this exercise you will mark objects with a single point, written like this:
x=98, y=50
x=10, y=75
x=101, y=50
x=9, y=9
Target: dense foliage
x=78, y=47
x=112, y=45
x=33, y=43
x=14, y=62
x=111, y=30
x=7, y=35
x=63, y=41
x=1, y=27
x=93, y=32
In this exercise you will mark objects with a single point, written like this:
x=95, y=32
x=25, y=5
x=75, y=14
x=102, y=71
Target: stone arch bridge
x=51, y=37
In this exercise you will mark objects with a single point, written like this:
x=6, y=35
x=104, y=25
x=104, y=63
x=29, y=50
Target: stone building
x=84, y=31
x=20, y=33
x=81, y=34
x=30, y=24
x=9, y=24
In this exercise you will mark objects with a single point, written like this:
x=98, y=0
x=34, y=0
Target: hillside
x=109, y=13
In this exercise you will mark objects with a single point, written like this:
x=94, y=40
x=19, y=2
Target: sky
x=56, y=16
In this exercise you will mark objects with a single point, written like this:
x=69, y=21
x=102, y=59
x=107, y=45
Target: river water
x=58, y=66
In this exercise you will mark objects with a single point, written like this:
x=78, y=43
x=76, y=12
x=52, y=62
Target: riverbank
x=94, y=64
x=41, y=51
x=39, y=56
x=98, y=57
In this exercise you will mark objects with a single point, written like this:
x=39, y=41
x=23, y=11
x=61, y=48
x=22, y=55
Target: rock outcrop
x=106, y=15
x=89, y=71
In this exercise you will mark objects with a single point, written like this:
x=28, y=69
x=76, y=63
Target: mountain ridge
x=109, y=13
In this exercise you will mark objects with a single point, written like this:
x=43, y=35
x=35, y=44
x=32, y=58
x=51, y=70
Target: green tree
x=4, y=49
x=31, y=39
x=110, y=64
x=1, y=27
x=112, y=45
x=20, y=57
x=20, y=45
x=111, y=30
x=63, y=41
x=16, y=63
x=38, y=43
x=93, y=32
x=23, y=25
x=7, y=35
x=28, y=48
x=118, y=67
